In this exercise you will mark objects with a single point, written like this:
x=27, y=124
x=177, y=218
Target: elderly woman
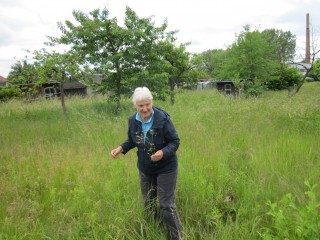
x=152, y=132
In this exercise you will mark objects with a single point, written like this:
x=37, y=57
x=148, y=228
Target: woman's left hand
x=157, y=156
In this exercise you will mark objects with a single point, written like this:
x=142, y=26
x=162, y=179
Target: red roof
x=3, y=79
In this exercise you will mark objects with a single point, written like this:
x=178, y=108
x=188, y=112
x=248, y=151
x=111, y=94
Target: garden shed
x=227, y=87
x=51, y=89
x=74, y=88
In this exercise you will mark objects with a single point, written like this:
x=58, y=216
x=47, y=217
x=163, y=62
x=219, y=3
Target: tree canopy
x=128, y=56
x=139, y=53
x=257, y=59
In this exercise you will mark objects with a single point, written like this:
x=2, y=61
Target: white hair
x=141, y=94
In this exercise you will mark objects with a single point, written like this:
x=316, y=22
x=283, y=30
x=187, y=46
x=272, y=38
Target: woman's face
x=144, y=108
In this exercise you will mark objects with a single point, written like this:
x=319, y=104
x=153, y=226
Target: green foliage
x=56, y=66
x=252, y=89
x=9, y=92
x=282, y=45
x=256, y=58
x=211, y=62
x=291, y=221
x=22, y=72
x=46, y=66
x=178, y=65
x=157, y=83
x=284, y=78
x=127, y=56
x=315, y=72
x=248, y=57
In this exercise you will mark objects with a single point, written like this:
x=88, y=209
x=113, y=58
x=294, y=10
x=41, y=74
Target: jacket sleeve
x=172, y=139
x=128, y=144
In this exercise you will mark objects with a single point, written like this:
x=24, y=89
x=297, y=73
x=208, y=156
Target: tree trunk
x=308, y=70
x=118, y=104
x=118, y=91
x=296, y=90
x=172, y=92
x=63, y=105
x=172, y=98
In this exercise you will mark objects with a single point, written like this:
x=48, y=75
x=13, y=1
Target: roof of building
x=3, y=79
x=224, y=81
x=73, y=85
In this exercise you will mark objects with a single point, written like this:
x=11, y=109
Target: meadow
x=248, y=168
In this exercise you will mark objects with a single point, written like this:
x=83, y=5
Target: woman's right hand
x=115, y=152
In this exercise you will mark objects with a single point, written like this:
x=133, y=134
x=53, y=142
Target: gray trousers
x=161, y=186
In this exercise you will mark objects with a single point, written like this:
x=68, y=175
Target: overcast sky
x=207, y=24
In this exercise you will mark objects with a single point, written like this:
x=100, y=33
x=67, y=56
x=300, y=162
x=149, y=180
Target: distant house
x=3, y=81
x=227, y=87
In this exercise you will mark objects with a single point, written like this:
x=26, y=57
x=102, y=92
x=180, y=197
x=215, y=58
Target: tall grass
x=237, y=156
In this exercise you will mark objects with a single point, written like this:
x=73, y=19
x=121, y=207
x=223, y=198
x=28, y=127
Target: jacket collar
x=159, y=117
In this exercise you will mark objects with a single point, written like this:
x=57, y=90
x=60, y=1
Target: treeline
x=139, y=53
x=260, y=60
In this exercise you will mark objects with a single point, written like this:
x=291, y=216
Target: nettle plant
x=289, y=221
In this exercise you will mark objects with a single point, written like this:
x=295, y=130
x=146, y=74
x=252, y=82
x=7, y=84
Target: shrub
x=253, y=89
x=284, y=78
x=289, y=221
x=9, y=92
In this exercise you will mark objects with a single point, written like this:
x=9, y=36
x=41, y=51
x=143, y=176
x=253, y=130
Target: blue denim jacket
x=162, y=135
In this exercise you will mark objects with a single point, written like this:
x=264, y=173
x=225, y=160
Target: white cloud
x=207, y=24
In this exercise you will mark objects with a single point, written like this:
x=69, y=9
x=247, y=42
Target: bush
x=252, y=89
x=285, y=78
x=289, y=221
x=9, y=92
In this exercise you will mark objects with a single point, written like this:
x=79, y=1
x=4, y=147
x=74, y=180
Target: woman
x=152, y=132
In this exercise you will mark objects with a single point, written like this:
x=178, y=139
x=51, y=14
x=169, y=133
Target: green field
x=248, y=168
